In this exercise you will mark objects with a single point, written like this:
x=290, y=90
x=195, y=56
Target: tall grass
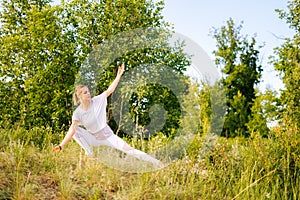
x=239, y=168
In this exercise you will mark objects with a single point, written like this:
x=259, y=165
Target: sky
x=196, y=18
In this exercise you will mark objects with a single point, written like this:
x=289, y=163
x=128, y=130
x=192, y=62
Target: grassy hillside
x=256, y=168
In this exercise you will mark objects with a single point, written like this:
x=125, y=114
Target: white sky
x=196, y=18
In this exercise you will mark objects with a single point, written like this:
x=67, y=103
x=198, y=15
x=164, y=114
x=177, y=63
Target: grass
x=253, y=168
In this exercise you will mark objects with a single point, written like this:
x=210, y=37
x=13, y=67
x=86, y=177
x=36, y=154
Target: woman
x=91, y=113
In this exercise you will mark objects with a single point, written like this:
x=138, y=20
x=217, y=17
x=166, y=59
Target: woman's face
x=85, y=94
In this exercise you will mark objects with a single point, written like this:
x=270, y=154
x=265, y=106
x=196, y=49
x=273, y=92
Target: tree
x=263, y=112
x=121, y=29
x=43, y=48
x=37, y=65
x=287, y=63
x=192, y=108
x=238, y=59
x=204, y=108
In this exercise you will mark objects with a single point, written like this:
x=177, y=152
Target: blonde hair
x=77, y=92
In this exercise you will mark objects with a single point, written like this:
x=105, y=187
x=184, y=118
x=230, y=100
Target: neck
x=85, y=105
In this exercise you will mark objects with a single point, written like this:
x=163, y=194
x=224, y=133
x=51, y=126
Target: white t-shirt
x=93, y=119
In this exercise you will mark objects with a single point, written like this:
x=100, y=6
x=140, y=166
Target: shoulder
x=100, y=97
x=76, y=114
x=78, y=111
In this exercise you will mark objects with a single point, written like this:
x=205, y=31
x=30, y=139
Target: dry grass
x=256, y=168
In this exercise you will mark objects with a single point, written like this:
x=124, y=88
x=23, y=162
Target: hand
x=121, y=70
x=57, y=149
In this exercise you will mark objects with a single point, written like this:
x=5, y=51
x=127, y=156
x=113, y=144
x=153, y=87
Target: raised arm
x=114, y=84
x=68, y=136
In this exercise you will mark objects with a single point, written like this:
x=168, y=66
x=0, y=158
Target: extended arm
x=114, y=84
x=68, y=136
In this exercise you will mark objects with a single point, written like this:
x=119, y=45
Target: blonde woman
x=91, y=113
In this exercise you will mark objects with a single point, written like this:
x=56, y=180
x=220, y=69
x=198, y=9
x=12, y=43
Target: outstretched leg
x=118, y=143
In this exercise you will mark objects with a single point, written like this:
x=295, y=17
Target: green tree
x=38, y=63
x=263, y=112
x=238, y=59
x=191, y=107
x=43, y=48
x=118, y=34
x=286, y=62
x=204, y=108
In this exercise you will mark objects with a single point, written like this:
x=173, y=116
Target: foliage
x=238, y=59
x=192, y=109
x=286, y=62
x=263, y=113
x=37, y=65
x=44, y=48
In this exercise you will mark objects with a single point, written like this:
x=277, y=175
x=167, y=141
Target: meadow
x=238, y=168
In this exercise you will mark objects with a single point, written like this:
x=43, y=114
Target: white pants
x=85, y=139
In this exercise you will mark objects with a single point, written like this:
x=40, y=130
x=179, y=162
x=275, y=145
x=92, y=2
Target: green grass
x=254, y=168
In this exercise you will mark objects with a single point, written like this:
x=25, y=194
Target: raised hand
x=121, y=69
